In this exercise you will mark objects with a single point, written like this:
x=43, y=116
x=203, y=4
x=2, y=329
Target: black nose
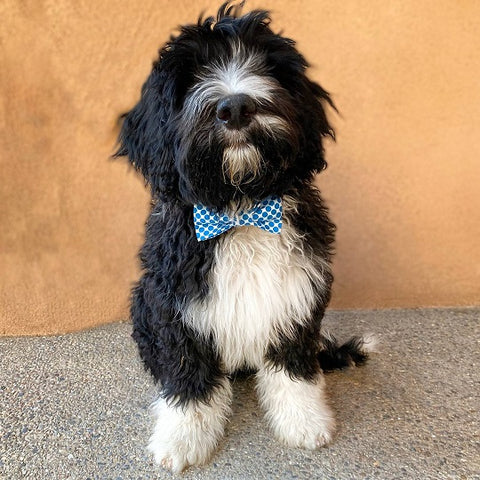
x=236, y=111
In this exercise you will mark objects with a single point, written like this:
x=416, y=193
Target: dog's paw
x=310, y=429
x=188, y=435
x=296, y=410
x=175, y=453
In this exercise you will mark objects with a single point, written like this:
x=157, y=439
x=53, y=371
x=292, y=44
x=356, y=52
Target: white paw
x=188, y=435
x=310, y=430
x=178, y=449
x=296, y=410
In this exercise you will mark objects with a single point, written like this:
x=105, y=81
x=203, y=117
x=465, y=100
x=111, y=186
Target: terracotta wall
x=403, y=182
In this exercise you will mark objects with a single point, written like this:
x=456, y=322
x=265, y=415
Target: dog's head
x=226, y=113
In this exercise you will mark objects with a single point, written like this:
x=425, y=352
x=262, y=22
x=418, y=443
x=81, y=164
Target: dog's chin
x=242, y=163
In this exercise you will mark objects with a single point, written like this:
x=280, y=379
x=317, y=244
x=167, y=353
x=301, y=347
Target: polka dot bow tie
x=266, y=215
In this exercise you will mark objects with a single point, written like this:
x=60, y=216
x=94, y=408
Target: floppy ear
x=322, y=98
x=288, y=66
x=312, y=100
x=147, y=135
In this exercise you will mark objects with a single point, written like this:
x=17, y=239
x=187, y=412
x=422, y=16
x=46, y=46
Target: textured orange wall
x=404, y=176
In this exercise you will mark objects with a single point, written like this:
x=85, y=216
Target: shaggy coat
x=246, y=299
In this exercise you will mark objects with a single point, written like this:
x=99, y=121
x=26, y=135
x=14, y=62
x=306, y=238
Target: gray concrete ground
x=77, y=407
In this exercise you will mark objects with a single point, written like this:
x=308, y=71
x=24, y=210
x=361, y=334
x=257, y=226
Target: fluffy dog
x=236, y=262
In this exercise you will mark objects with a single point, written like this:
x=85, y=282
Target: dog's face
x=227, y=113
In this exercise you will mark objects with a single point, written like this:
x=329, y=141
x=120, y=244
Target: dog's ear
x=315, y=125
x=322, y=98
x=289, y=67
x=147, y=136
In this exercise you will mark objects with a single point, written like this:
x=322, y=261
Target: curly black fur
x=333, y=356
x=150, y=133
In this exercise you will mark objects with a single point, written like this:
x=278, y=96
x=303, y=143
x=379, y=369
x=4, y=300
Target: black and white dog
x=228, y=134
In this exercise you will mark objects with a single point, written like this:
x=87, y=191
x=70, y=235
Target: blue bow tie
x=266, y=215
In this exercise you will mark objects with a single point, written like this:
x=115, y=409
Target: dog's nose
x=236, y=111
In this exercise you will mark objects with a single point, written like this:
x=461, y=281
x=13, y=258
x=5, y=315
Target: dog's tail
x=333, y=356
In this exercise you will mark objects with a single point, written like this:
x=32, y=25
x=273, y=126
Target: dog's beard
x=242, y=163
x=219, y=165
x=243, y=160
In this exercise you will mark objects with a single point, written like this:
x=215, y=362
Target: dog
x=228, y=134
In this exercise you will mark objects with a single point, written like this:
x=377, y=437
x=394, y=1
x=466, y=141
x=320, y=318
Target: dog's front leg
x=291, y=389
x=296, y=408
x=195, y=395
x=188, y=434
x=194, y=402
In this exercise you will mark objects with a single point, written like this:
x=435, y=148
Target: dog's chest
x=261, y=285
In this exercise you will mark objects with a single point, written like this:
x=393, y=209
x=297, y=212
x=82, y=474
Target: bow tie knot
x=266, y=214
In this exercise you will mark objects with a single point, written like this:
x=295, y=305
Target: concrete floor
x=77, y=407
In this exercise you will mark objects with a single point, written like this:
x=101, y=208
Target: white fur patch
x=240, y=72
x=188, y=435
x=241, y=159
x=370, y=343
x=296, y=410
x=261, y=285
x=272, y=124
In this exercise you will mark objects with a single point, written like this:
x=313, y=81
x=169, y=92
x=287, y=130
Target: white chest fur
x=260, y=286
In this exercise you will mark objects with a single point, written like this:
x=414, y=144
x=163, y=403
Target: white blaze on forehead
x=239, y=72
x=240, y=75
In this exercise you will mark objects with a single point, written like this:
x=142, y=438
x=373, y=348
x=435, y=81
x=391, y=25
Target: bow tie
x=266, y=215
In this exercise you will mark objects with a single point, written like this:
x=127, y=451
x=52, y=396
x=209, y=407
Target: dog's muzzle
x=236, y=111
